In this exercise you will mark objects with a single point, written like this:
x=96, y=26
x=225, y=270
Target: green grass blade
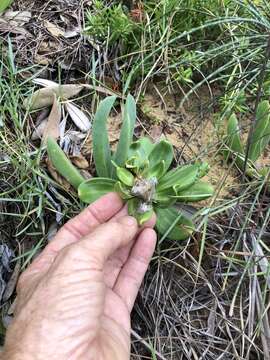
x=261, y=135
x=62, y=164
x=127, y=131
x=101, y=145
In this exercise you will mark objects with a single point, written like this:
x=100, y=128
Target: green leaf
x=181, y=230
x=122, y=190
x=4, y=4
x=165, y=198
x=141, y=148
x=125, y=176
x=143, y=218
x=127, y=131
x=156, y=172
x=133, y=205
x=233, y=142
x=133, y=210
x=203, y=169
x=162, y=151
x=62, y=164
x=92, y=189
x=101, y=146
x=261, y=135
x=182, y=177
x=200, y=190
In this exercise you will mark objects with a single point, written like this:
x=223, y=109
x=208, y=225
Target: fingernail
x=129, y=221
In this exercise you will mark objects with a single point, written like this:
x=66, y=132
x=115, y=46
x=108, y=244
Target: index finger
x=75, y=229
x=81, y=225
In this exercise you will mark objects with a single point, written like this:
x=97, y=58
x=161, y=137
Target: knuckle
x=115, y=229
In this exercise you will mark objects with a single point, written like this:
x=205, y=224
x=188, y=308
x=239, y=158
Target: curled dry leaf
x=17, y=17
x=11, y=285
x=52, y=128
x=44, y=82
x=79, y=117
x=39, y=130
x=79, y=161
x=53, y=29
x=45, y=97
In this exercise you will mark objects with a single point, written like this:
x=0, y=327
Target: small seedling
x=139, y=172
x=235, y=149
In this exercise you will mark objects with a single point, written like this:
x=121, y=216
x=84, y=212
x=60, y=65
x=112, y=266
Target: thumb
x=109, y=237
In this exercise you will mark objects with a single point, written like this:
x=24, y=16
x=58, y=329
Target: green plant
x=108, y=24
x=4, y=4
x=260, y=139
x=139, y=172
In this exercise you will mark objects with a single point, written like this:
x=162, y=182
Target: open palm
x=74, y=301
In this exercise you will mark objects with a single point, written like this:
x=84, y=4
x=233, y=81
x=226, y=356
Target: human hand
x=74, y=301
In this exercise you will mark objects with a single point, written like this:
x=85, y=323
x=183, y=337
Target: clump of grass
x=28, y=205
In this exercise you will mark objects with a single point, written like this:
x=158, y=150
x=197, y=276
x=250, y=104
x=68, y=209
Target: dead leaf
x=52, y=128
x=156, y=132
x=53, y=29
x=79, y=161
x=39, y=130
x=44, y=82
x=86, y=174
x=16, y=18
x=41, y=60
x=102, y=90
x=72, y=33
x=45, y=97
x=11, y=285
x=78, y=116
x=6, y=26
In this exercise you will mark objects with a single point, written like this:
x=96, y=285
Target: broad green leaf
x=101, y=146
x=125, y=176
x=182, y=177
x=233, y=142
x=136, y=164
x=261, y=136
x=200, y=190
x=141, y=148
x=4, y=4
x=127, y=131
x=62, y=164
x=162, y=151
x=92, y=189
x=155, y=172
x=122, y=190
x=165, y=198
x=203, y=169
x=167, y=217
